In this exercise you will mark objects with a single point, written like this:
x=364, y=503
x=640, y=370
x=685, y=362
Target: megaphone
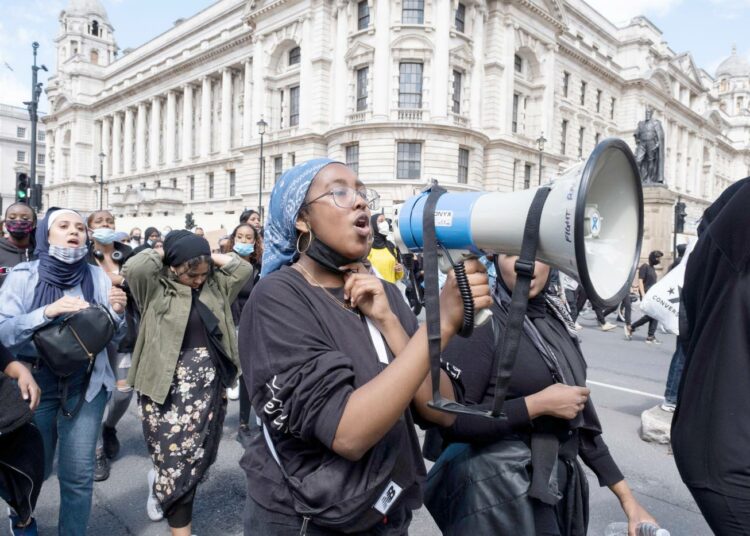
x=591, y=226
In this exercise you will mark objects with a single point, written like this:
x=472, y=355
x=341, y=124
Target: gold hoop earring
x=310, y=236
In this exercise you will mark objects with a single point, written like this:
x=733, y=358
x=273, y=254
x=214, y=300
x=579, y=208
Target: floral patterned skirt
x=183, y=434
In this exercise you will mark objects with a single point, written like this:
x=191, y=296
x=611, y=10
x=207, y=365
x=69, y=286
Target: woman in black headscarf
x=152, y=234
x=538, y=486
x=184, y=358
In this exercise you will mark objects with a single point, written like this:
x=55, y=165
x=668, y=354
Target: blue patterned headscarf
x=279, y=232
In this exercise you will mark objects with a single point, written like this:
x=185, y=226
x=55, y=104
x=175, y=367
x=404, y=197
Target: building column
x=226, y=110
x=308, y=115
x=154, y=137
x=170, y=127
x=259, y=88
x=441, y=69
x=477, y=70
x=187, y=122
x=382, y=68
x=116, y=141
x=129, y=141
x=105, y=143
x=247, y=104
x=58, y=153
x=205, y=138
x=140, y=138
x=341, y=77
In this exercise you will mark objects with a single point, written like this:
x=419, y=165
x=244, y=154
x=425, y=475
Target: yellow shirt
x=384, y=262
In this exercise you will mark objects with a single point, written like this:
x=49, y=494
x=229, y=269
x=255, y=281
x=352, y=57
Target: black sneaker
x=110, y=443
x=101, y=467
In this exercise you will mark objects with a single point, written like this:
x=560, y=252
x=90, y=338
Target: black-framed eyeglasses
x=346, y=197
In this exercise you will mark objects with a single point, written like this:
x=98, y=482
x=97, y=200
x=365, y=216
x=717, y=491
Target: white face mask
x=384, y=228
x=68, y=255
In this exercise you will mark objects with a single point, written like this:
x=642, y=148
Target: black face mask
x=136, y=238
x=327, y=257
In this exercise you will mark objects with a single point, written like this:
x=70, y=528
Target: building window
x=40, y=159
x=598, y=100
x=518, y=64
x=292, y=159
x=410, y=85
x=583, y=93
x=463, y=166
x=581, y=134
x=526, y=176
x=157, y=184
x=278, y=166
x=20, y=156
x=409, y=161
x=461, y=17
x=40, y=136
x=597, y=138
x=173, y=182
x=294, y=106
x=563, y=136
x=232, y=183
x=40, y=180
x=566, y=83
x=191, y=181
x=612, y=108
x=363, y=15
x=457, y=82
x=516, y=103
x=413, y=12
x=362, y=88
x=210, y=177
x=352, y=157
x=295, y=56
x=20, y=132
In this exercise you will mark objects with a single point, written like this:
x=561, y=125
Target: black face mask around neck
x=327, y=257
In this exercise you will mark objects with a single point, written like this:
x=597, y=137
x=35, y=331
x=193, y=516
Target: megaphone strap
x=524, y=267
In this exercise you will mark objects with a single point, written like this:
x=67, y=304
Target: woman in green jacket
x=184, y=358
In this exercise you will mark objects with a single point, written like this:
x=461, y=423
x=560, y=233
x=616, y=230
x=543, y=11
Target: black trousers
x=727, y=516
x=652, y=323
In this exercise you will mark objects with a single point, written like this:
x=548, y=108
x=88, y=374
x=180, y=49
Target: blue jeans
x=675, y=373
x=76, y=438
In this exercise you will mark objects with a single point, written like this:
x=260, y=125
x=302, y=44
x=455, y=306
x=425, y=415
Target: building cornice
x=574, y=53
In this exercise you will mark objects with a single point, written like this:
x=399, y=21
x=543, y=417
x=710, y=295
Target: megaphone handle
x=462, y=280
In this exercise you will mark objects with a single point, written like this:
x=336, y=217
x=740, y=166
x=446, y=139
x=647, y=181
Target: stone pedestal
x=658, y=221
x=656, y=425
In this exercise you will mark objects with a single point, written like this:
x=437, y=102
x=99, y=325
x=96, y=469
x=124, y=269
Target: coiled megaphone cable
x=462, y=280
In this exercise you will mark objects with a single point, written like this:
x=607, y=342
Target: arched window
x=294, y=56
x=95, y=28
x=94, y=56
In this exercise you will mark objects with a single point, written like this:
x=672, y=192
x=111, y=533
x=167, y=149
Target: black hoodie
x=710, y=429
x=10, y=255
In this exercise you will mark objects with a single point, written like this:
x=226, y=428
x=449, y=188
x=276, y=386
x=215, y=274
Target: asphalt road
x=614, y=364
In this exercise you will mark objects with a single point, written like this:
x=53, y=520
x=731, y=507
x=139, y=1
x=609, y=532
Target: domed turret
x=86, y=8
x=734, y=65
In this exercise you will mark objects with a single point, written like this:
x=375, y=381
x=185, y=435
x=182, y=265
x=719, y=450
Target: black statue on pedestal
x=649, y=152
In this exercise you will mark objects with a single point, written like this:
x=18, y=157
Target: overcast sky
x=706, y=28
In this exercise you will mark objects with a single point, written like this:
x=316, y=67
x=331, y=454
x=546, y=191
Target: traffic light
x=36, y=198
x=680, y=213
x=22, y=187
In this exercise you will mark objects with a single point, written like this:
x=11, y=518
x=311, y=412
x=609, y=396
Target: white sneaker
x=153, y=508
x=578, y=327
x=233, y=393
x=668, y=407
x=607, y=326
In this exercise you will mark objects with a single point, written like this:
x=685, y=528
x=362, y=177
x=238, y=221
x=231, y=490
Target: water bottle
x=644, y=529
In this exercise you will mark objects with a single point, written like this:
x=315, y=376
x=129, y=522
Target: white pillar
x=105, y=142
x=226, y=110
x=116, y=141
x=441, y=72
x=259, y=88
x=247, y=104
x=381, y=99
x=140, y=138
x=129, y=141
x=205, y=146
x=340, y=103
x=477, y=71
x=187, y=122
x=154, y=137
x=307, y=115
x=170, y=128
x=58, y=154
x=547, y=107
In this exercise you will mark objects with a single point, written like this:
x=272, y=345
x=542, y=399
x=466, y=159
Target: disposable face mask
x=243, y=250
x=68, y=255
x=384, y=228
x=104, y=235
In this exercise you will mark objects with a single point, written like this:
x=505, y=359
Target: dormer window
x=95, y=28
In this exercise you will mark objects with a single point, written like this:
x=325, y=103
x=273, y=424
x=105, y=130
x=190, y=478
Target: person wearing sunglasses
x=334, y=359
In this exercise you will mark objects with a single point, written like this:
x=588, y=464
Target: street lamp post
x=101, y=180
x=33, y=106
x=262, y=175
x=540, y=145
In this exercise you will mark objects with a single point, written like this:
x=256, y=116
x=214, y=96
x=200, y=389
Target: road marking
x=625, y=389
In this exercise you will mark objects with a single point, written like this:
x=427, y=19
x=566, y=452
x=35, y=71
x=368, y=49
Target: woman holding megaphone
x=520, y=474
x=333, y=360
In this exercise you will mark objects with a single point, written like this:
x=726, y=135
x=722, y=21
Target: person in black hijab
x=152, y=235
x=710, y=429
x=539, y=486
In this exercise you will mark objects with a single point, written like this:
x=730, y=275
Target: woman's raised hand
x=365, y=291
x=65, y=305
x=451, y=304
x=558, y=400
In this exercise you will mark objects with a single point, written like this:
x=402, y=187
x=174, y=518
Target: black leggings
x=181, y=513
x=727, y=516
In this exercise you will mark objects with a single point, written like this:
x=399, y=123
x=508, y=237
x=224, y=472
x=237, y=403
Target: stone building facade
x=15, y=151
x=401, y=90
